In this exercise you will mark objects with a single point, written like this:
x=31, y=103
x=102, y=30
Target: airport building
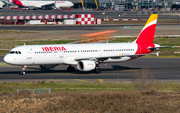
x=126, y=4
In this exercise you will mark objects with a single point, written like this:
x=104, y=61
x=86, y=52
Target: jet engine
x=47, y=67
x=86, y=65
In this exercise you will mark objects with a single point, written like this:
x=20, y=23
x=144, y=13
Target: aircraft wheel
x=71, y=69
x=23, y=73
x=98, y=70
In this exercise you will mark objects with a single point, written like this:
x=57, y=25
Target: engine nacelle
x=86, y=65
x=47, y=67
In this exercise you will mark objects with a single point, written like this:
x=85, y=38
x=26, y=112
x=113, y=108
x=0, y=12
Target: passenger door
x=29, y=53
x=99, y=51
x=61, y=54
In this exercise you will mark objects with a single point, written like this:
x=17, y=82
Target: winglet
x=148, y=31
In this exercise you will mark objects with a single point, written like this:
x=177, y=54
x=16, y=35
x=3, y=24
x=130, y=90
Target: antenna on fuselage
x=24, y=44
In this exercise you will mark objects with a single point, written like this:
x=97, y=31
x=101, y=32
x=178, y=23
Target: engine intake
x=86, y=65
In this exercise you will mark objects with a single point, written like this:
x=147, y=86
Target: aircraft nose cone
x=7, y=59
x=72, y=4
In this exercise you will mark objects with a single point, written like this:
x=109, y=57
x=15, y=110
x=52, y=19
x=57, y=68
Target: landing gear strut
x=70, y=69
x=23, y=70
x=97, y=69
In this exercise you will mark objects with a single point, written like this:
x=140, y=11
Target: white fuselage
x=1, y=4
x=67, y=53
x=40, y=4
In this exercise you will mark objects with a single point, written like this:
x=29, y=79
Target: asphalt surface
x=161, y=68
x=70, y=27
x=1, y=58
x=97, y=14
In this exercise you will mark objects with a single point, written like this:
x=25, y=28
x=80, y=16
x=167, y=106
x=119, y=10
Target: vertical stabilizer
x=146, y=36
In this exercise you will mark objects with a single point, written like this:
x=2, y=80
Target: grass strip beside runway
x=16, y=32
x=81, y=86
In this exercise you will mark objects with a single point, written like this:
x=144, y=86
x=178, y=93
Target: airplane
x=2, y=4
x=42, y=4
x=86, y=57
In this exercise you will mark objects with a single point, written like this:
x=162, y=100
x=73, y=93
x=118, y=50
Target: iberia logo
x=54, y=48
x=60, y=2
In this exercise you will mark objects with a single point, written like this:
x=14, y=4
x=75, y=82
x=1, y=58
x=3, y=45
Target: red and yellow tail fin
x=146, y=36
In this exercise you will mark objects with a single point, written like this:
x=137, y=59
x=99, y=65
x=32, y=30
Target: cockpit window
x=12, y=52
x=15, y=52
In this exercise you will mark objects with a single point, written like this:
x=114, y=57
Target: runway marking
x=100, y=80
x=130, y=70
x=57, y=80
x=80, y=80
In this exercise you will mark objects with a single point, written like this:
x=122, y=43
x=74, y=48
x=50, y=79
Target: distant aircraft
x=86, y=57
x=2, y=4
x=43, y=4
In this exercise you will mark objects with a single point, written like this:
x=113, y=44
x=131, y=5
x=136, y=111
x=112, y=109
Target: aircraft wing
x=106, y=57
x=44, y=4
x=51, y=4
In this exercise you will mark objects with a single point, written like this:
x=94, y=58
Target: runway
x=161, y=68
x=71, y=27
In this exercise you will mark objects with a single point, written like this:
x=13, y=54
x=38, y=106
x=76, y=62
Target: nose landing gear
x=23, y=70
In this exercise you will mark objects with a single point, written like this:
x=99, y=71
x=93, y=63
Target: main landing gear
x=70, y=69
x=97, y=69
x=23, y=70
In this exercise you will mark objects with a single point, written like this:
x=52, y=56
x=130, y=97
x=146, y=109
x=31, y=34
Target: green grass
x=81, y=86
x=16, y=32
x=4, y=64
x=67, y=86
x=162, y=41
x=3, y=52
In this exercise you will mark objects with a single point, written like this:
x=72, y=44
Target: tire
x=73, y=69
x=98, y=70
x=68, y=69
x=23, y=73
